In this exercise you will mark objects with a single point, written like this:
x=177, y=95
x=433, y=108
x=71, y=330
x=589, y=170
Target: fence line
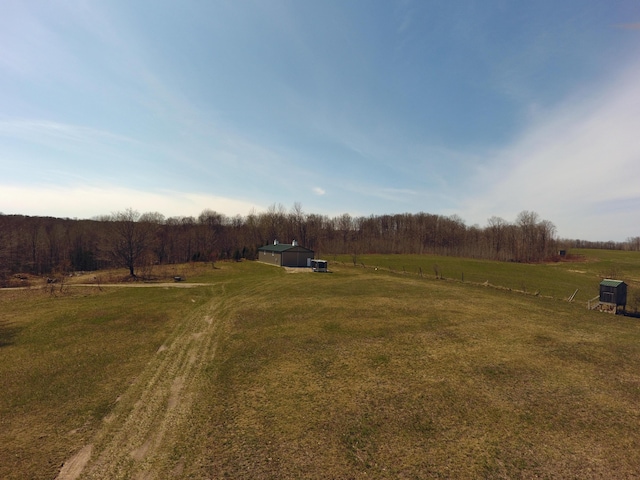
x=440, y=276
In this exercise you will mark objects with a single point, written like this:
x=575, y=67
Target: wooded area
x=45, y=245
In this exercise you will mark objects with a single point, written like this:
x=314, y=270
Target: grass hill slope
x=359, y=373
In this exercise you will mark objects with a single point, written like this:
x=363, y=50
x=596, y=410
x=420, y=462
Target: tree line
x=45, y=245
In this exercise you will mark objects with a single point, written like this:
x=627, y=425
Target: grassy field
x=558, y=279
x=359, y=373
x=64, y=362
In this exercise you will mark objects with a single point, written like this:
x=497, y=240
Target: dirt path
x=140, y=285
x=110, y=285
x=143, y=437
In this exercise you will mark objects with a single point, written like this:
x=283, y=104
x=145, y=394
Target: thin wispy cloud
x=629, y=26
x=45, y=131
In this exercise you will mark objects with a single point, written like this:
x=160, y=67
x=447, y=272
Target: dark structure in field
x=319, y=265
x=614, y=293
x=286, y=255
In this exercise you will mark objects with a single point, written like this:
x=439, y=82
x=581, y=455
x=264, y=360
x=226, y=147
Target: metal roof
x=607, y=282
x=282, y=247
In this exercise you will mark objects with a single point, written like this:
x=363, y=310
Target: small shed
x=319, y=265
x=614, y=292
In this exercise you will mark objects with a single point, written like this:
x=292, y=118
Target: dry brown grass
x=354, y=374
x=66, y=359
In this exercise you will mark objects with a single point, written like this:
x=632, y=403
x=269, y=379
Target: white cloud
x=577, y=165
x=318, y=191
x=91, y=201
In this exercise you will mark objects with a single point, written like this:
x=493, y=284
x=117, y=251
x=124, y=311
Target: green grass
x=65, y=361
x=353, y=374
x=558, y=280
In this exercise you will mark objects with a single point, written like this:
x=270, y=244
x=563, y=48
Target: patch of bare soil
x=72, y=468
x=298, y=269
x=141, y=437
x=112, y=285
x=142, y=285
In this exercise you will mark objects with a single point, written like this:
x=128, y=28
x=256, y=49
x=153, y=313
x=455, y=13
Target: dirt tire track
x=138, y=439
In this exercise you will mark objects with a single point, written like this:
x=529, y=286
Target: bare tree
x=39, y=244
x=5, y=251
x=633, y=244
x=546, y=238
x=527, y=223
x=496, y=231
x=211, y=225
x=297, y=220
x=130, y=238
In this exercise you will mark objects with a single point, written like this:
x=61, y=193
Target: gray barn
x=285, y=255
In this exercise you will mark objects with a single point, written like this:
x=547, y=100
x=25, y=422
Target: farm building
x=613, y=292
x=285, y=255
x=319, y=265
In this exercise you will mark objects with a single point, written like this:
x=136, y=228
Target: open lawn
x=359, y=373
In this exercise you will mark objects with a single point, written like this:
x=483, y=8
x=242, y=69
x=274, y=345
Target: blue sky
x=471, y=108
